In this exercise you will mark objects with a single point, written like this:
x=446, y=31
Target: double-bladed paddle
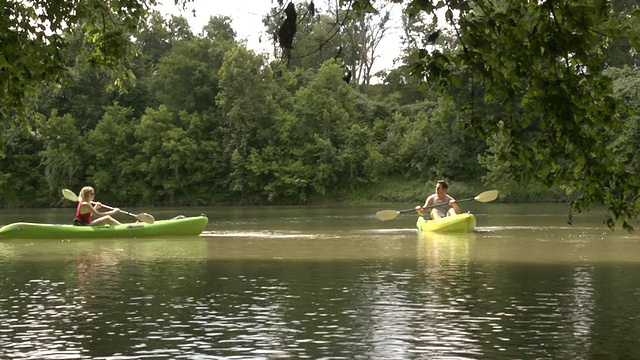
x=144, y=217
x=484, y=197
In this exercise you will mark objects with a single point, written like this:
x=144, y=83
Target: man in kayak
x=86, y=208
x=440, y=203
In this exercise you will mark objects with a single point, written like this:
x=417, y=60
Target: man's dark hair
x=444, y=184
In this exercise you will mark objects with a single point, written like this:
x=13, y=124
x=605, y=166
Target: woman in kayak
x=442, y=204
x=86, y=208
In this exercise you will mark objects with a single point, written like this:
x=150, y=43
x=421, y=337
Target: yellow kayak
x=457, y=223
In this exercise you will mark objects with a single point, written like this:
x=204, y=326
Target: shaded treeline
x=209, y=122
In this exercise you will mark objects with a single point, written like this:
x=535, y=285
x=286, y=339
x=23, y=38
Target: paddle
x=484, y=197
x=144, y=217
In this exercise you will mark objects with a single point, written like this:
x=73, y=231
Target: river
x=328, y=282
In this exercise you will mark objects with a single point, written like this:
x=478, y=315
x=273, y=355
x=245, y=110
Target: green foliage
x=208, y=121
x=560, y=110
x=164, y=151
x=454, y=151
x=326, y=123
x=247, y=111
x=229, y=127
x=21, y=179
x=64, y=148
x=626, y=87
x=317, y=38
x=498, y=173
x=83, y=97
x=109, y=146
x=37, y=46
x=219, y=27
x=207, y=168
x=187, y=77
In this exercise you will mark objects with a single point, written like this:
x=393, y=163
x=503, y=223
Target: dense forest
x=202, y=120
x=208, y=122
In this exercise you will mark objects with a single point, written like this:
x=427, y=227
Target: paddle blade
x=69, y=195
x=144, y=217
x=487, y=196
x=385, y=215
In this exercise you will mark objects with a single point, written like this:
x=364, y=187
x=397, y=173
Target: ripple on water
x=441, y=302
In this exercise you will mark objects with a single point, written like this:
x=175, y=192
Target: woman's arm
x=93, y=209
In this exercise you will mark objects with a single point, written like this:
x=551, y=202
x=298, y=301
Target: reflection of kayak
x=454, y=247
x=184, y=226
x=447, y=238
x=457, y=223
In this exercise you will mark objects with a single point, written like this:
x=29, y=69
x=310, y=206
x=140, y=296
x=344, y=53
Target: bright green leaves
x=434, y=67
x=542, y=62
x=41, y=38
x=362, y=6
x=187, y=78
x=62, y=155
x=428, y=6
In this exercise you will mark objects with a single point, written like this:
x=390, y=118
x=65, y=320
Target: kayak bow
x=457, y=223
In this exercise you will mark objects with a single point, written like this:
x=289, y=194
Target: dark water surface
x=327, y=282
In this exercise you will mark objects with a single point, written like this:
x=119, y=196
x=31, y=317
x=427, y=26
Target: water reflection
x=340, y=288
x=582, y=309
x=95, y=271
x=445, y=247
x=448, y=326
x=37, y=318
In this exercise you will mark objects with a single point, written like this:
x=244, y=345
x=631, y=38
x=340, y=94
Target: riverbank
x=397, y=190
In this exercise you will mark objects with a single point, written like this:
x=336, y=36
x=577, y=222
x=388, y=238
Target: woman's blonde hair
x=85, y=192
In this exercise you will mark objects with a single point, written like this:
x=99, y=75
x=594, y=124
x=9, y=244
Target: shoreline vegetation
x=406, y=191
x=392, y=191
x=163, y=117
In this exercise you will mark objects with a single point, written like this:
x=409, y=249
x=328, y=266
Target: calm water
x=329, y=282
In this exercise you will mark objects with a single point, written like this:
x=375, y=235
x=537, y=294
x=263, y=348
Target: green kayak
x=182, y=226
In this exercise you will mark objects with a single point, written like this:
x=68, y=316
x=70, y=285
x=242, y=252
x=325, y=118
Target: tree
x=219, y=26
x=165, y=149
x=157, y=35
x=62, y=154
x=326, y=137
x=317, y=37
x=109, y=155
x=363, y=36
x=21, y=174
x=351, y=37
x=248, y=113
x=546, y=74
x=37, y=48
x=626, y=87
x=621, y=51
x=187, y=77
